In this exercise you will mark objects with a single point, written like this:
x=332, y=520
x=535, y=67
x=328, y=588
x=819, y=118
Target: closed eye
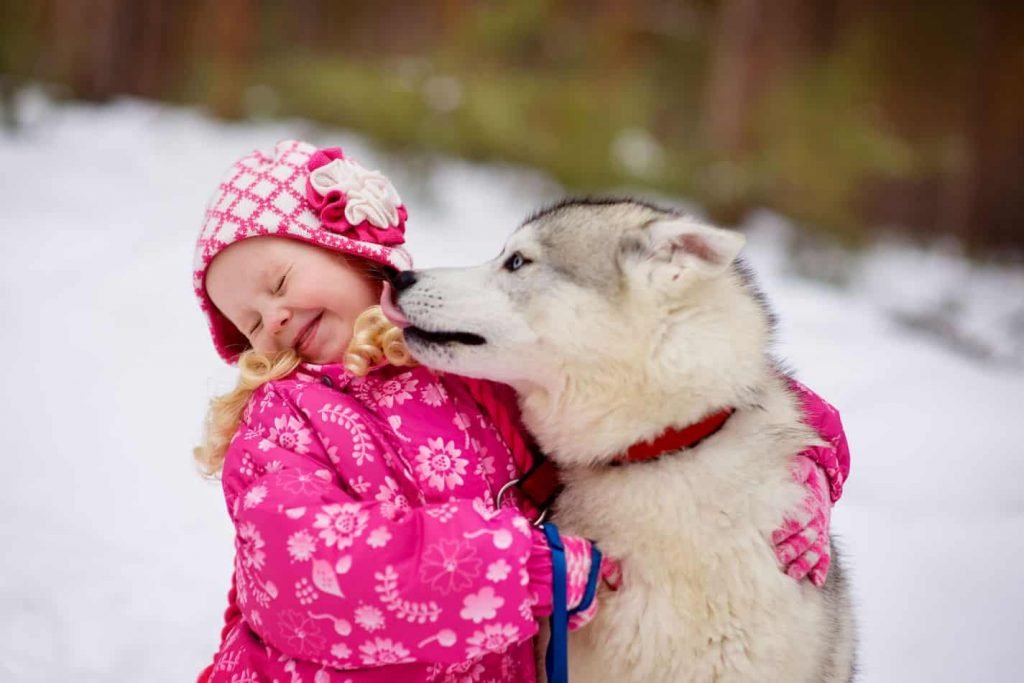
x=280, y=284
x=276, y=290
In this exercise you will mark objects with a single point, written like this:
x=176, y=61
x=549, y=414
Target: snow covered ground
x=116, y=555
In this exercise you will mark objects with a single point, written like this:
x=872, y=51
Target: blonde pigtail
x=225, y=412
x=374, y=339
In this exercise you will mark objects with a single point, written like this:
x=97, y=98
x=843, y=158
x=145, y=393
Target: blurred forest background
x=850, y=116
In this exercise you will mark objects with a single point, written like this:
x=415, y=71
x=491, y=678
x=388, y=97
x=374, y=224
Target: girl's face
x=286, y=294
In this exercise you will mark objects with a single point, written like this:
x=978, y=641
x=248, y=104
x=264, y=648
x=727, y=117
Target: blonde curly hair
x=374, y=339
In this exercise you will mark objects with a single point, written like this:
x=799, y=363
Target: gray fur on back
x=840, y=663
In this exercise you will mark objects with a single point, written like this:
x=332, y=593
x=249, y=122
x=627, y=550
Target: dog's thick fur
x=615, y=320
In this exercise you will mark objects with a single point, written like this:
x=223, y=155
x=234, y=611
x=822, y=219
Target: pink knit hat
x=315, y=195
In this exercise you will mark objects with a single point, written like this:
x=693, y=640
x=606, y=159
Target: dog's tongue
x=390, y=310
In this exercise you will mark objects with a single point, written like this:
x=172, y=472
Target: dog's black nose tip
x=404, y=280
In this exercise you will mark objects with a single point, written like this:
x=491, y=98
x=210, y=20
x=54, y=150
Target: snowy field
x=116, y=555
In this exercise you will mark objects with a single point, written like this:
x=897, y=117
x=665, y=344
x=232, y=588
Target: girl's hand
x=578, y=560
x=802, y=544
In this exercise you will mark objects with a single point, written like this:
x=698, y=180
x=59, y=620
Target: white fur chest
x=703, y=598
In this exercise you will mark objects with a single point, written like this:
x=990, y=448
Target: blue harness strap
x=556, y=660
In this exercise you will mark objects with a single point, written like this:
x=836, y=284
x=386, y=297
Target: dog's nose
x=404, y=280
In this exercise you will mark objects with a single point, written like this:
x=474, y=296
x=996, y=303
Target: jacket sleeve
x=834, y=459
x=499, y=403
x=327, y=577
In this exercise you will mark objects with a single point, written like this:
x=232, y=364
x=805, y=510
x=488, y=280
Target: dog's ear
x=687, y=243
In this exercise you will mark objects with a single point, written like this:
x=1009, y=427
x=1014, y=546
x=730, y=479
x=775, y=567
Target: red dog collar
x=540, y=485
x=675, y=439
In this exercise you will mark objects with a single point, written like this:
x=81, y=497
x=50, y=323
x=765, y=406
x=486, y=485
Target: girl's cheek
x=260, y=345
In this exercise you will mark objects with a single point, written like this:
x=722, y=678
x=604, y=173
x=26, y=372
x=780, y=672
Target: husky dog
x=615, y=320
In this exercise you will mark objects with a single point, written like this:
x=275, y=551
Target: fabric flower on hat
x=354, y=201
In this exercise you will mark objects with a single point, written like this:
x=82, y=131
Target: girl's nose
x=278, y=319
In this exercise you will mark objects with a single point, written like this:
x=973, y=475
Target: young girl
x=368, y=542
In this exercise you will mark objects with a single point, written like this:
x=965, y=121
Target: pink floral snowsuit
x=368, y=547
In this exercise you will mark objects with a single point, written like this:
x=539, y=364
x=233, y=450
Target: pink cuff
x=538, y=566
x=833, y=459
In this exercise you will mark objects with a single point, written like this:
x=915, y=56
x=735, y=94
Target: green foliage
x=565, y=124
x=821, y=134
x=824, y=138
x=505, y=32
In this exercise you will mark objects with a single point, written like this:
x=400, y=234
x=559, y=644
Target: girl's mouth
x=307, y=335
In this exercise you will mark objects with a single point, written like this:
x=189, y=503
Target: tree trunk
x=994, y=212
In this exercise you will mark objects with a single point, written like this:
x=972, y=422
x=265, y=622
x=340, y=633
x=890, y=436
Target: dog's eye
x=515, y=262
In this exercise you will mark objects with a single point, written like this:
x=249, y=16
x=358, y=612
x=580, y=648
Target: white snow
x=116, y=555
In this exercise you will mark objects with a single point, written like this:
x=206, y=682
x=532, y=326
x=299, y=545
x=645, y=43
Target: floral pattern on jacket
x=367, y=543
